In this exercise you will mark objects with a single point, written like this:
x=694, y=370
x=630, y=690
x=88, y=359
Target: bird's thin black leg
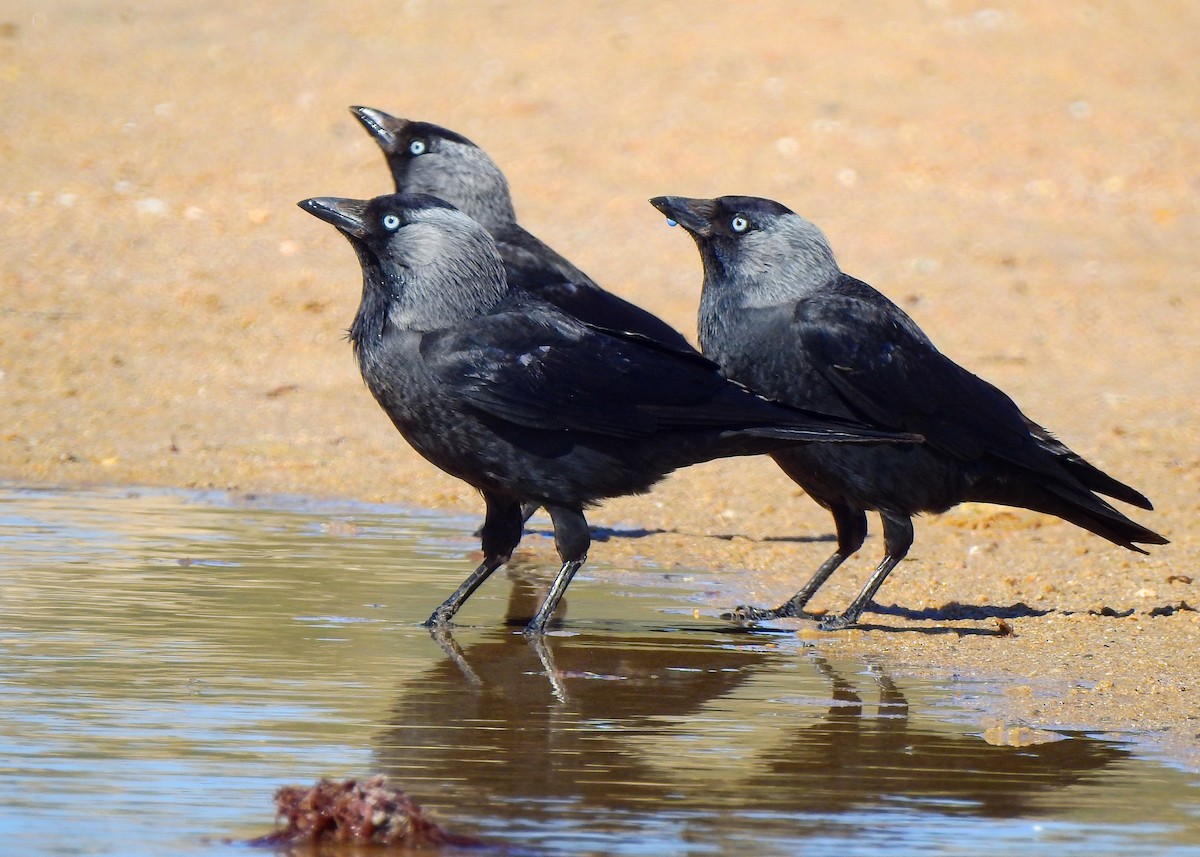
x=794, y=606
x=537, y=625
x=851, y=525
x=572, y=539
x=527, y=511
x=499, y=536
x=449, y=607
x=898, y=538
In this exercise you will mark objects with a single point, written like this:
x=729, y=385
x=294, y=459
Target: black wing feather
x=533, y=366
x=547, y=372
x=888, y=371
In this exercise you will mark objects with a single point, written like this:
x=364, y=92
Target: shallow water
x=167, y=660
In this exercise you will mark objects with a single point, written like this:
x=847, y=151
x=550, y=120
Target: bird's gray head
x=426, y=265
x=761, y=250
x=426, y=158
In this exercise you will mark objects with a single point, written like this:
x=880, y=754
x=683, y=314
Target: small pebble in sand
x=152, y=206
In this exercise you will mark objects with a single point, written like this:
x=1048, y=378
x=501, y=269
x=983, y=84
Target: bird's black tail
x=1082, y=509
x=1090, y=476
x=1097, y=480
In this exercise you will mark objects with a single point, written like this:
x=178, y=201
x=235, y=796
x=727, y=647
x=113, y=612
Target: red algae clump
x=368, y=812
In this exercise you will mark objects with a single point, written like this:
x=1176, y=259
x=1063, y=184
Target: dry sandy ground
x=1021, y=177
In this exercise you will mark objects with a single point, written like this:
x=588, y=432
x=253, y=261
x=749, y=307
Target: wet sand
x=1022, y=180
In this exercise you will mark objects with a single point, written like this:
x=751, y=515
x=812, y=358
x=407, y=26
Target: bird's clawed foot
x=838, y=622
x=744, y=614
x=747, y=615
x=439, y=619
x=533, y=631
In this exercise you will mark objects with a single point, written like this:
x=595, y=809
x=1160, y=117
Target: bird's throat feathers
x=425, y=293
x=366, y=332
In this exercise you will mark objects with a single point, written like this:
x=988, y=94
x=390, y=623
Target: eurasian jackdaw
x=425, y=158
x=778, y=314
x=525, y=402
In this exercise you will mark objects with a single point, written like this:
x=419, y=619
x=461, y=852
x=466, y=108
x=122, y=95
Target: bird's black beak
x=346, y=214
x=386, y=130
x=694, y=215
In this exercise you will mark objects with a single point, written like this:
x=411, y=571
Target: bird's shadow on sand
x=798, y=540
x=953, y=612
x=604, y=534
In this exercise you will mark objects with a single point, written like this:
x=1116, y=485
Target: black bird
x=426, y=158
x=523, y=401
x=778, y=315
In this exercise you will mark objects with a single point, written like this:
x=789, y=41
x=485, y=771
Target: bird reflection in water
x=695, y=724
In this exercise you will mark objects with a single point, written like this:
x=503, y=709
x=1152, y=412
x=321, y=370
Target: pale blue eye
x=417, y=147
x=739, y=223
x=391, y=222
